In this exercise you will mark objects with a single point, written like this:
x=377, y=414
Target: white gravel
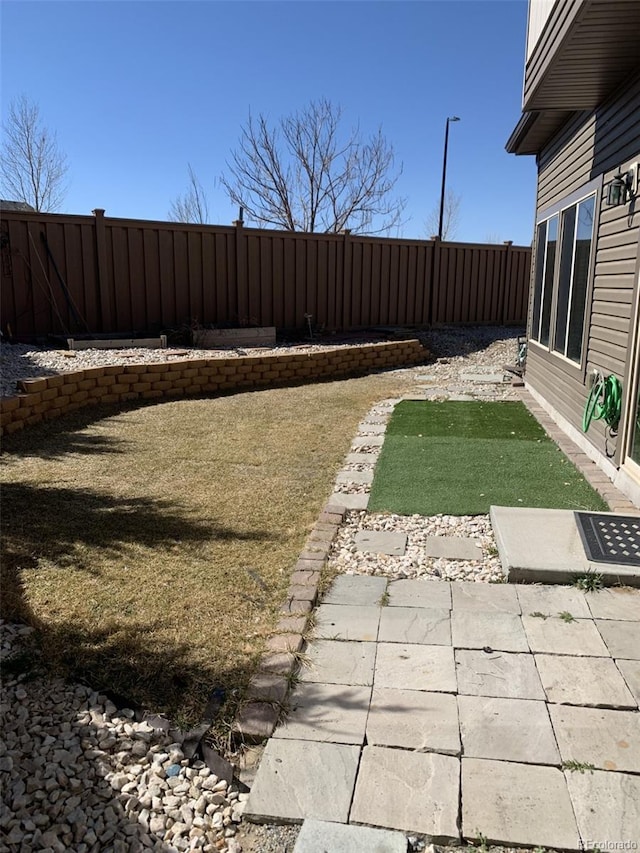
x=78, y=775
x=347, y=559
x=20, y=361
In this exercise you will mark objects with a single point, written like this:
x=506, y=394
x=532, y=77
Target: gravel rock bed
x=358, y=466
x=79, y=775
x=345, y=558
x=469, y=347
x=352, y=488
x=21, y=361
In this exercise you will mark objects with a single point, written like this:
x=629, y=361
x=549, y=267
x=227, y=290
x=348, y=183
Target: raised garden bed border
x=50, y=397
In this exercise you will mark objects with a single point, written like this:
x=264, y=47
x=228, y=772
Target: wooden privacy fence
x=73, y=274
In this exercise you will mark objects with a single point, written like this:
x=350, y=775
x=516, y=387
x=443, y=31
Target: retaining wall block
x=31, y=385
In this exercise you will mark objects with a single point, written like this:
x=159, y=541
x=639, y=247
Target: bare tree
x=305, y=174
x=450, y=217
x=493, y=238
x=33, y=168
x=193, y=205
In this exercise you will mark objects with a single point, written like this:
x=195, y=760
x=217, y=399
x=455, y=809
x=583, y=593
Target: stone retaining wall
x=51, y=396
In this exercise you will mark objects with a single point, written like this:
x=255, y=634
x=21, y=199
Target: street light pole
x=444, y=173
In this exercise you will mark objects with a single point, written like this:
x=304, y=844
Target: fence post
x=347, y=280
x=435, y=277
x=102, y=279
x=505, y=281
x=242, y=284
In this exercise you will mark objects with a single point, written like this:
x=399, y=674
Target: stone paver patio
x=449, y=710
x=463, y=711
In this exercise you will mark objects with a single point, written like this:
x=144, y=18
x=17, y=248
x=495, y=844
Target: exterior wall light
x=620, y=189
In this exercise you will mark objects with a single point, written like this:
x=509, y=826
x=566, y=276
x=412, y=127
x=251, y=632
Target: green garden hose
x=603, y=403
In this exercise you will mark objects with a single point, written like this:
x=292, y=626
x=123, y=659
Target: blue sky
x=136, y=90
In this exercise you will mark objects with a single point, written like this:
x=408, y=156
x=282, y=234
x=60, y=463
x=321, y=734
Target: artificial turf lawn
x=459, y=458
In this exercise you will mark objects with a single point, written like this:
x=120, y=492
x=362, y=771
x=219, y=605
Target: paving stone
x=303, y=593
x=279, y=663
x=284, y=643
x=361, y=477
x=622, y=638
x=426, y=377
x=347, y=622
x=256, y=721
x=356, y=589
x=420, y=593
x=453, y=547
x=461, y=398
x=606, y=806
x=415, y=625
x=296, y=607
x=305, y=576
x=331, y=510
x=630, y=670
x=294, y=777
x=555, y=636
x=355, y=501
x=479, y=630
x=507, y=729
x=362, y=458
x=552, y=600
x=331, y=516
x=469, y=595
x=404, y=666
x=375, y=419
x=318, y=836
x=587, y=681
x=267, y=687
x=499, y=674
x=333, y=713
x=339, y=662
x=412, y=719
x=492, y=378
x=610, y=740
x=415, y=792
x=368, y=441
x=517, y=804
x=365, y=428
x=312, y=567
x=382, y=542
x=619, y=604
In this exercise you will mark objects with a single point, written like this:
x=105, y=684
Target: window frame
x=592, y=188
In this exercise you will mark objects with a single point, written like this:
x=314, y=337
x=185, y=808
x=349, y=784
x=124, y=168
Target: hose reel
x=604, y=403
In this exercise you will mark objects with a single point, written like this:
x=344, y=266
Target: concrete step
x=544, y=546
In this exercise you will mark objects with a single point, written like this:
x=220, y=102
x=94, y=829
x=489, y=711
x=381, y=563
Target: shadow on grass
x=62, y=527
x=55, y=522
x=64, y=436
x=127, y=662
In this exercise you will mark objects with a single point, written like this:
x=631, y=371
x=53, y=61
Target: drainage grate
x=610, y=538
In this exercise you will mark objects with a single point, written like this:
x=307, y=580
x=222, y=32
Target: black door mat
x=610, y=538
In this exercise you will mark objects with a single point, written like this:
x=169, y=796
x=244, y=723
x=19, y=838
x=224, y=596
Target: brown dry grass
x=152, y=547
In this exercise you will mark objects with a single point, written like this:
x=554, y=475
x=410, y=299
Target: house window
x=562, y=263
x=573, y=279
x=545, y=263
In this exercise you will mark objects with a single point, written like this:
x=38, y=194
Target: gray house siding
x=594, y=146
